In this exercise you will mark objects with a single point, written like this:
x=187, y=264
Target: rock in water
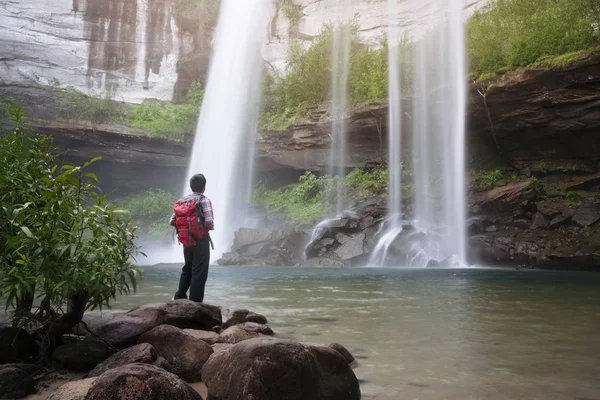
x=274, y=369
x=237, y=317
x=185, y=353
x=140, y=382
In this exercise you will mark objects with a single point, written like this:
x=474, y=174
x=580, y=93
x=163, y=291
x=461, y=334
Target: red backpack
x=189, y=227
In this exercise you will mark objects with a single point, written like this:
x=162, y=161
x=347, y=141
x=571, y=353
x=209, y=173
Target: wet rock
x=343, y=351
x=76, y=390
x=273, y=369
x=254, y=327
x=246, y=237
x=587, y=214
x=540, y=222
x=209, y=337
x=83, y=355
x=585, y=183
x=433, y=264
x=336, y=223
x=125, y=330
x=491, y=228
x=351, y=246
x=549, y=208
x=140, y=381
x=185, y=353
x=234, y=259
x=237, y=317
x=266, y=247
x=549, y=249
x=475, y=226
x=559, y=221
x=323, y=262
x=142, y=353
x=503, y=199
x=235, y=334
x=15, y=383
x=16, y=345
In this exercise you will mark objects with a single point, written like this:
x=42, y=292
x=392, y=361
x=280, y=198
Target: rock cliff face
x=137, y=49
x=536, y=119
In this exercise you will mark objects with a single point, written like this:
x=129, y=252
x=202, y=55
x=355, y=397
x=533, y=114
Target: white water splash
x=224, y=144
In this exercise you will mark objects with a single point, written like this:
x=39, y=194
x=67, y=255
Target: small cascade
x=224, y=143
x=340, y=67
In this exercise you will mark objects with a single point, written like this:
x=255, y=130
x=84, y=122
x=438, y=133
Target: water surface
x=427, y=334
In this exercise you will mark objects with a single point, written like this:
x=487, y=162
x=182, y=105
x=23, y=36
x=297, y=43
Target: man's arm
x=207, y=211
x=172, y=221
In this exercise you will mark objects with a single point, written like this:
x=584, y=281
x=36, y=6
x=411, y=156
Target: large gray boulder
x=140, y=382
x=275, y=369
x=143, y=353
x=185, y=353
x=125, y=330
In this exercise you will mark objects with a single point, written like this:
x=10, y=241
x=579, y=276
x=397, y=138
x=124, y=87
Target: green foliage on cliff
x=490, y=180
x=292, y=12
x=302, y=203
x=515, y=33
x=156, y=118
x=308, y=80
x=71, y=104
x=150, y=211
x=59, y=240
x=307, y=201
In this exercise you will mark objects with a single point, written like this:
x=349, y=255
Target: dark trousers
x=195, y=271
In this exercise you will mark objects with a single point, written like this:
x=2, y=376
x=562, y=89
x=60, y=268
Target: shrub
x=514, y=33
x=491, y=179
x=60, y=240
x=309, y=200
x=150, y=211
x=164, y=119
x=73, y=104
x=367, y=184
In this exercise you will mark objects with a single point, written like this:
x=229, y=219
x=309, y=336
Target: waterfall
x=224, y=143
x=435, y=233
x=439, y=131
x=340, y=66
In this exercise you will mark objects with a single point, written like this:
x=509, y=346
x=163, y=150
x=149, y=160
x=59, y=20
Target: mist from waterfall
x=340, y=67
x=223, y=147
x=434, y=233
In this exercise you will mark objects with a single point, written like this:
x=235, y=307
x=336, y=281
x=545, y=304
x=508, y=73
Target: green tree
x=63, y=250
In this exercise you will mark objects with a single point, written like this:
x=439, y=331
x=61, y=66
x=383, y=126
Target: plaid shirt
x=205, y=215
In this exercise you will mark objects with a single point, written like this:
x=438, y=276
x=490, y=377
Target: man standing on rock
x=193, y=219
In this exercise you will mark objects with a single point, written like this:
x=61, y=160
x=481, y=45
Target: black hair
x=198, y=183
